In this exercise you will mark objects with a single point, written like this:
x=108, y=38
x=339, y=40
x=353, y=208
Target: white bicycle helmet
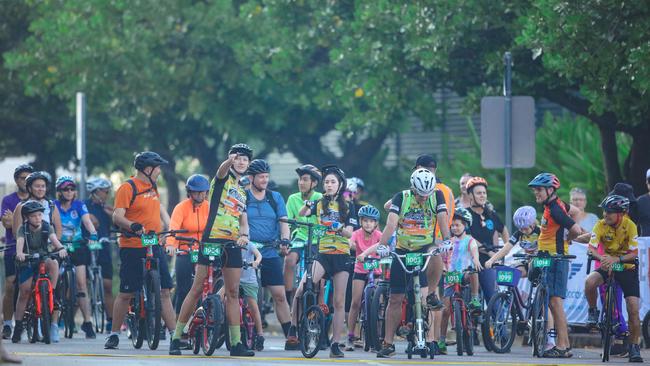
x=351, y=185
x=96, y=183
x=423, y=182
x=524, y=217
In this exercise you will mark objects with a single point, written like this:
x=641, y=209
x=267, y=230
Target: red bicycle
x=246, y=320
x=462, y=319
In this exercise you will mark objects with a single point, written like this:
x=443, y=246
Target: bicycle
x=246, y=320
x=38, y=313
x=508, y=315
x=539, y=331
x=264, y=301
x=144, y=317
x=96, y=285
x=67, y=291
x=207, y=325
x=416, y=311
x=372, y=315
x=610, y=314
x=464, y=322
x=311, y=322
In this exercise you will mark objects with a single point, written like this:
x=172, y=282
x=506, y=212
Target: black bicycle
x=66, y=290
x=96, y=285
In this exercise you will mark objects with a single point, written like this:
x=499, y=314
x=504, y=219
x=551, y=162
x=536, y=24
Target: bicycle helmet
x=333, y=169
x=36, y=176
x=23, y=168
x=369, y=211
x=258, y=166
x=464, y=215
x=63, y=181
x=30, y=207
x=423, y=182
x=615, y=204
x=359, y=182
x=241, y=149
x=311, y=170
x=197, y=183
x=351, y=185
x=148, y=158
x=475, y=181
x=524, y=217
x=96, y=183
x=546, y=180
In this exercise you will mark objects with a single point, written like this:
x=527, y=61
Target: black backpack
x=135, y=191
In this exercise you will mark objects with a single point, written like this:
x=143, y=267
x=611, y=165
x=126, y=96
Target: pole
x=81, y=143
x=507, y=92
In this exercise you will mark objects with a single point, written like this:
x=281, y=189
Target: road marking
x=295, y=359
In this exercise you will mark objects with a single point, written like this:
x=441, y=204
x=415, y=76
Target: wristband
x=246, y=235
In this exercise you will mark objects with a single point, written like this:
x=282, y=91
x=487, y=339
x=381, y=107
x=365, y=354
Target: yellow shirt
x=616, y=241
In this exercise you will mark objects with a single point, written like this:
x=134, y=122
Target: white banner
x=575, y=304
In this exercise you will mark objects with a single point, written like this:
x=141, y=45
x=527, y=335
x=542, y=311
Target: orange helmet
x=475, y=181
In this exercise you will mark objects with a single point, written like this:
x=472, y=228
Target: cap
x=426, y=161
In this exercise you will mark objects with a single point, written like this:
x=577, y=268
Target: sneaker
x=335, y=351
x=387, y=351
x=258, y=343
x=434, y=302
x=433, y=349
x=358, y=343
x=87, y=328
x=475, y=304
x=240, y=351
x=175, y=347
x=592, y=317
x=112, y=341
x=557, y=353
x=635, y=353
x=18, y=332
x=55, y=337
x=349, y=345
x=292, y=343
x=6, y=332
x=442, y=348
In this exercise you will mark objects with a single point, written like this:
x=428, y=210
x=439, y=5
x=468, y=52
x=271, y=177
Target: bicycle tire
x=197, y=341
x=97, y=298
x=606, y=330
x=46, y=315
x=135, y=323
x=377, y=316
x=213, y=329
x=248, y=331
x=500, y=305
x=312, y=331
x=458, y=327
x=540, y=321
x=28, y=321
x=365, y=319
x=645, y=328
x=69, y=301
x=153, y=309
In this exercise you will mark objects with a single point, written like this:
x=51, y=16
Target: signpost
x=81, y=143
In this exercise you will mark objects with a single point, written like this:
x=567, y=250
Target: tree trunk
x=639, y=161
x=610, y=156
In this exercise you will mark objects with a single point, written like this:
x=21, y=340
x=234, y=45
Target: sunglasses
x=69, y=189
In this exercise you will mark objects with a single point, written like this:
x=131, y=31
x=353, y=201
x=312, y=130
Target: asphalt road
x=78, y=351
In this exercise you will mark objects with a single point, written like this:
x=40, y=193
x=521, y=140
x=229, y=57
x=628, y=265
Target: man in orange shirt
x=138, y=211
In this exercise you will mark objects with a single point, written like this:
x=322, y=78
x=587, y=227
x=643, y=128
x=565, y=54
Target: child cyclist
x=361, y=240
x=250, y=288
x=525, y=219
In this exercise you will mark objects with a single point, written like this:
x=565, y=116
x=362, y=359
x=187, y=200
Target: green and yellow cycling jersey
x=417, y=221
x=227, y=203
x=330, y=216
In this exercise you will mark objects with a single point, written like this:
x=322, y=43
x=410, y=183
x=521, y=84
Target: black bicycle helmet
x=23, y=168
x=615, y=203
x=333, y=169
x=36, y=176
x=311, y=170
x=241, y=149
x=30, y=207
x=258, y=166
x=148, y=158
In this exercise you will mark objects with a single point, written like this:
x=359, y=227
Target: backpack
x=45, y=234
x=406, y=202
x=135, y=191
x=268, y=195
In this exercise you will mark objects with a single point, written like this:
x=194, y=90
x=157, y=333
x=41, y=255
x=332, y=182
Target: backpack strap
x=268, y=196
x=135, y=191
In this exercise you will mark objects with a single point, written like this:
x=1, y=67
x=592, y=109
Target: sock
x=116, y=333
x=178, y=332
x=7, y=322
x=235, y=335
x=285, y=328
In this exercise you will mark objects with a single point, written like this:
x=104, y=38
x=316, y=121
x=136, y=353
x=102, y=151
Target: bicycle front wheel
x=458, y=327
x=364, y=316
x=153, y=309
x=135, y=322
x=311, y=331
x=97, y=300
x=607, y=330
x=500, y=323
x=69, y=292
x=377, y=316
x=214, y=326
x=46, y=316
x=540, y=322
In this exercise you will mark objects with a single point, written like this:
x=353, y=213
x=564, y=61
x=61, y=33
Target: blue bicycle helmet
x=197, y=183
x=369, y=211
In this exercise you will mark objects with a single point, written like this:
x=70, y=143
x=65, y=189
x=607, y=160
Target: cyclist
x=309, y=178
x=264, y=209
x=555, y=221
x=227, y=223
x=463, y=200
x=486, y=228
x=32, y=237
x=334, y=250
x=36, y=184
x=614, y=240
x=250, y=290
x=100, y=214
x=413, y=216
x=525, y=219
x=190, y=214
x=138, y=211
x=361, y=190
x=361, y=240
x=9, y=203
x=74, y=213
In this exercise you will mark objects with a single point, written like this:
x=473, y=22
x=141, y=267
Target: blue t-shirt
x=105, y=221
x=263, y=221
x=71, y=221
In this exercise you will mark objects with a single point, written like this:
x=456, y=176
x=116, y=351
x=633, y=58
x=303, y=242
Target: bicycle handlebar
x=297, y=223
x=538, y=255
